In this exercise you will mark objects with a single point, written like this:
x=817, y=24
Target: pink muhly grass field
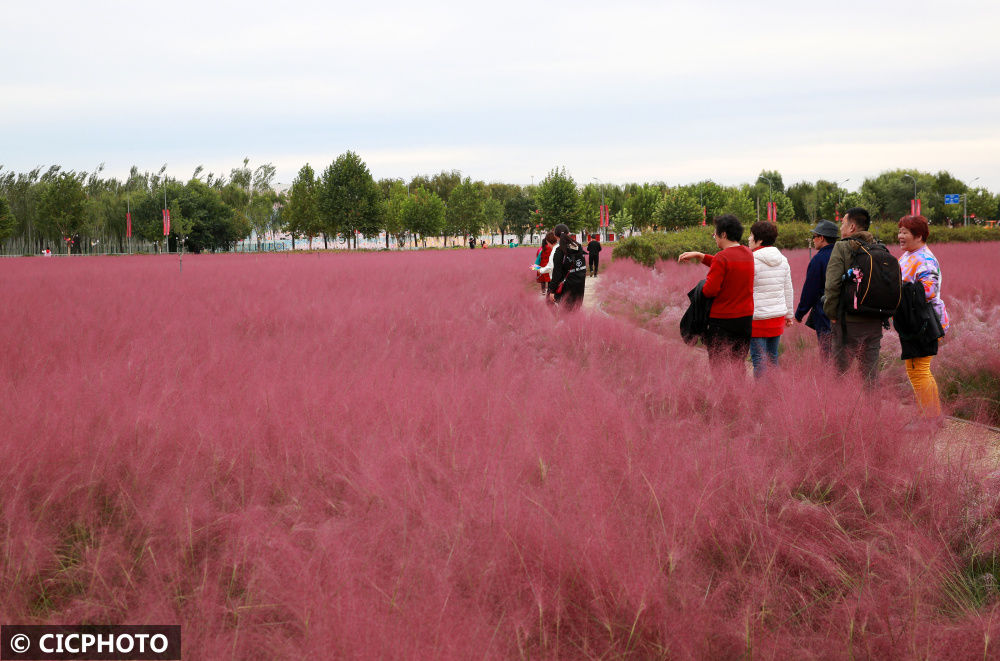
x=410, y=456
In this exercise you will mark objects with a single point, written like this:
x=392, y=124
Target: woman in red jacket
x=548, y=245
x=729, y=284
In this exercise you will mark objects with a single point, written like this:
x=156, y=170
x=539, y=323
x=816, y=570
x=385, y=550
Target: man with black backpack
x=862, y=291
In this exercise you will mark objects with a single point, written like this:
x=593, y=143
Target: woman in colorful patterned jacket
x=919, y=265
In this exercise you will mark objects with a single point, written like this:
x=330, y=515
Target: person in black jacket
x=824, y=235
x=569, y=273
x=594, y=251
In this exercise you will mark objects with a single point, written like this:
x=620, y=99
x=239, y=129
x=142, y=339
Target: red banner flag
x=166, y=222
x=915, y=207
x=704, y=215
x=128, y=224
x=918, y=207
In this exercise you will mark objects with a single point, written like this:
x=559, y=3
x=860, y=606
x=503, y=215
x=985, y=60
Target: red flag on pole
x=918, y=207
x=128, y=224
x=166, y=222
x=704, y=215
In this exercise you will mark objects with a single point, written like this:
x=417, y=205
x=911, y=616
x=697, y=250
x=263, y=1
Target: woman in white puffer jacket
x=773, y=302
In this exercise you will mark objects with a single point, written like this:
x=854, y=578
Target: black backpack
x=575, y=267
x=873, y=282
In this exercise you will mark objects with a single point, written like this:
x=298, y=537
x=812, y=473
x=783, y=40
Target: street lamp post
x=601, y=184
x=841, y=201
x=769, y=195
x=913, y=207
x=965, y=204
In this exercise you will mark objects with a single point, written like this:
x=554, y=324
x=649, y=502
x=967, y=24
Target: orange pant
x=924, y=386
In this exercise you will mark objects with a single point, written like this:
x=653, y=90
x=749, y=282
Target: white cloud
x=632, y=90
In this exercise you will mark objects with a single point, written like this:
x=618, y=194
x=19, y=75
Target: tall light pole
x=769, y=187
x=769, y=195
x=841, y=201
x=913, y=207
x=965, y=203
x=601, y=184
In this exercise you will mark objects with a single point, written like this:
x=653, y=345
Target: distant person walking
x=824, y=235
x=472, y=243
x=922, y=318
x=773, y=300
x=594, y=252
x=729, y=284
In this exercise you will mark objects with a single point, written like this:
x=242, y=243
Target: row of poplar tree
x=87, y=212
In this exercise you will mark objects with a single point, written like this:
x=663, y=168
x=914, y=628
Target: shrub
x=648, y=247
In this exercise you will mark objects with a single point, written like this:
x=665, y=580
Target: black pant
x=571, y=296
x=595, y=261
x=728, y=339
x=862, y=340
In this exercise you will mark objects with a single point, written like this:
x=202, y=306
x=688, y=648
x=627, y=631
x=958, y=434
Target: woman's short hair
x=550, y=238
x=917, y=225
x=730, y=226
x=765, y=232
x=560, y=230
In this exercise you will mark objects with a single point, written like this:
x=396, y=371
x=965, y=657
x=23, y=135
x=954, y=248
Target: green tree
x=423, y=213
x=678, y=208
x=444, y=183
x=803, y=199
x=349, y=200
x=711, y=196
x=590, y=206
x=737, y=202
x=214, y=225
x=394, y=197
x=557, y=200
x=761, y=187
x=7, y=224
x=786, y=210
x=465, y=209
x=517, y=214
x=981, y=204
x=893, y=191
x=621, y=222
x=493, y=216
x=301, y=213
x=62, y=207
x=641, y=205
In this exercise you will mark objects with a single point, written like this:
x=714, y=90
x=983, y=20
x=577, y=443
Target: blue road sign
x=952, y=199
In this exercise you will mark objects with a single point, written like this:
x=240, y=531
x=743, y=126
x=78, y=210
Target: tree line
x=71, y=210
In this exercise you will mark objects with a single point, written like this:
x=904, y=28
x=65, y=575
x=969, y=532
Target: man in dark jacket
x=594, y=252
x=860, y=336
x=824, y=235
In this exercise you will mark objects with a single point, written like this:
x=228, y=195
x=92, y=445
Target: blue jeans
x=763, y=350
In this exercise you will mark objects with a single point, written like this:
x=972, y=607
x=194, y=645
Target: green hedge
x=651, y=246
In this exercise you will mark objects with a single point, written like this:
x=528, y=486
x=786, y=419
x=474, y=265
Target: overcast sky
x=624, y=91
